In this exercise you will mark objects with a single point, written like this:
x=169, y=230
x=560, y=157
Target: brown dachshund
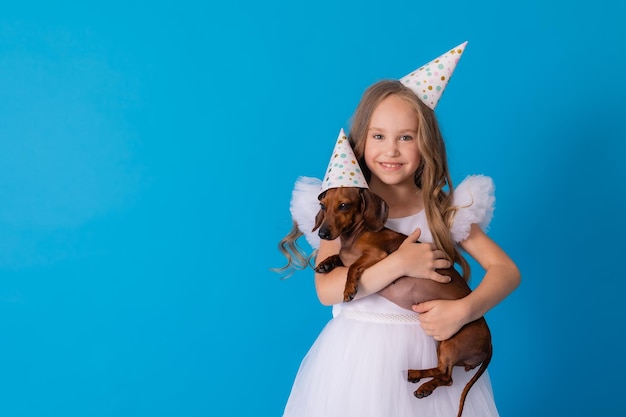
x=357, y=216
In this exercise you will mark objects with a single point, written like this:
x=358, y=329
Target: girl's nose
x=391, y=148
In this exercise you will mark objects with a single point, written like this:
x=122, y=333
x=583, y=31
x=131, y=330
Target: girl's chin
x=390, y=179
x=390, y=174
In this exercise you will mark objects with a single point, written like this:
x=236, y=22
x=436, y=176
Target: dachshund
x=357, y=216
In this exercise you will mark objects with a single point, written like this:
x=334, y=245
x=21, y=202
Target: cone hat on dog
x=430, y=80
x=343, y=169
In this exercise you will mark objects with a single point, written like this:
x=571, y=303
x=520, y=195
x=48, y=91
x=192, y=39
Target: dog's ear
x=319, y=217
x=375, y=210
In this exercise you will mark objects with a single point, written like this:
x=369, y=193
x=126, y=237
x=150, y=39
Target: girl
x=358, y=364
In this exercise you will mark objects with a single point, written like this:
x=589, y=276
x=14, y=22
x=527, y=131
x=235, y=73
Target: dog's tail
x=481, y=370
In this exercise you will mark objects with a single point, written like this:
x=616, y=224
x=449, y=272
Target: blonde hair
x=297, y=258
x=432, y=176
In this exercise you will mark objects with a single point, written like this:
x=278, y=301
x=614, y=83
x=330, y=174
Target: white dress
x=358, y=365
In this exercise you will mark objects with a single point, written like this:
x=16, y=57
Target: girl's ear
x=375, y=210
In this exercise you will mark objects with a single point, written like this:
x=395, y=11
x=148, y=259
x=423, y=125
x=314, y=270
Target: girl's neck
x=402, y=199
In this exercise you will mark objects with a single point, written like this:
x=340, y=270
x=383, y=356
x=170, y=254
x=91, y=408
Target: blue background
x=147, y=155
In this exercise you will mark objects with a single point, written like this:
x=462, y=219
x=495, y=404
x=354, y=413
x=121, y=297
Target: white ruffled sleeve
x=304, y=207
x=475, y=200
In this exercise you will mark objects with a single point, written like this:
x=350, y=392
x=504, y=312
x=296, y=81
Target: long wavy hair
x=432, y=176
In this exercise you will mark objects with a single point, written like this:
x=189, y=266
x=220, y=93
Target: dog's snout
x=324, y=233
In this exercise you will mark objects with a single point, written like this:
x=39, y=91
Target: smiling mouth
x=388, y=165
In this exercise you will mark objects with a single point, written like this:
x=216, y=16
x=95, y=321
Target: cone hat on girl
x=430, y=80
x=343, y=169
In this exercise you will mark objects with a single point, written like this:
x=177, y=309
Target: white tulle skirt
x=358, y=366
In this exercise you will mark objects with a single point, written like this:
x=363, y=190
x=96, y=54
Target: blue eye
x=406, y=137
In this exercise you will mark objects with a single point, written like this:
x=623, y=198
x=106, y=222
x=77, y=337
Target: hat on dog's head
x=343, y=169
x=430, y=80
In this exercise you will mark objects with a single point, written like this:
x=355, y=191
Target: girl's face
x=391, y=151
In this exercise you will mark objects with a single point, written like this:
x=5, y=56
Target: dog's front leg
x=328, y=264
x=356, y=270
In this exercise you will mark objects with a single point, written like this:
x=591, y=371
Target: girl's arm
x=501, y=274
x=418, y=260
x=442, y=319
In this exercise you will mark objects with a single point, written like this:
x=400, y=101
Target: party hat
x=343, y=168
x=430, y=80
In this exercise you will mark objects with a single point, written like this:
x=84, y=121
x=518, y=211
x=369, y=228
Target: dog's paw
x=413, y=376
x=324, y=268
x=349, y=294
x=328, y=264
x=420, y=393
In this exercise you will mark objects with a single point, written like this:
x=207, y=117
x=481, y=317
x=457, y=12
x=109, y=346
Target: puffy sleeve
x=475, y=200
x=304, y=207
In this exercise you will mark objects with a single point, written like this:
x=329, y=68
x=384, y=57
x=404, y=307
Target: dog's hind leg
x=442, y=374
x=428, y=387
x=440, y=377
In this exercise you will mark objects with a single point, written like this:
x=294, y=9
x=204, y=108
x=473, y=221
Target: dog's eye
x=344, y=206
x=322, y=207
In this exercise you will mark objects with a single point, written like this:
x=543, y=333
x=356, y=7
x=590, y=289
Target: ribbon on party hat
x=343, y=169
x=430, y=80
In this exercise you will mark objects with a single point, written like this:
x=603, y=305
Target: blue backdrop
x=147, y=154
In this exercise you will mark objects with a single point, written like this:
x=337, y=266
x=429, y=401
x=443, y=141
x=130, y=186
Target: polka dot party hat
x=430, y=80
x=343, y=168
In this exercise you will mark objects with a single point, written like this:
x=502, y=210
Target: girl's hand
x=441, y=319
x=420, y=260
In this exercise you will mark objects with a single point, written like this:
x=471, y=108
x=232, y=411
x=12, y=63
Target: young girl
x=358, y=364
